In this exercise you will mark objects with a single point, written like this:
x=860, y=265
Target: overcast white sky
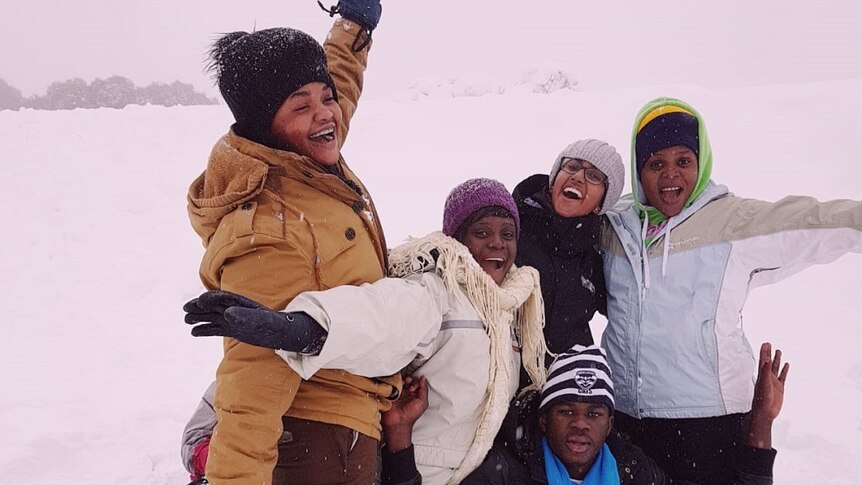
x=606, y=43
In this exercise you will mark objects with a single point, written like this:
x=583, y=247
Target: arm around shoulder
x=374, y=329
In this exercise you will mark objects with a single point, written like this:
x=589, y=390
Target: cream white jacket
x=427, y=323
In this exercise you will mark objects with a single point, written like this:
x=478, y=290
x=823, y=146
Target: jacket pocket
x=338, y=262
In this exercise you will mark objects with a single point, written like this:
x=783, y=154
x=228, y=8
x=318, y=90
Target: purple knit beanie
x=472, y=195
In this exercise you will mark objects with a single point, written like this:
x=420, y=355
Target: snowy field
x=99, y=373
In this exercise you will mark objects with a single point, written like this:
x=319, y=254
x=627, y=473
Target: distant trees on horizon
x=113, y=92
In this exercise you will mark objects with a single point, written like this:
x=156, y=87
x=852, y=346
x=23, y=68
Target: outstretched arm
x=768, y=397
x=369, y=330
x=227, y=314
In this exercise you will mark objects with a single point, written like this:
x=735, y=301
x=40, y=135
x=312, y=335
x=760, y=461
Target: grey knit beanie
x=605, y=158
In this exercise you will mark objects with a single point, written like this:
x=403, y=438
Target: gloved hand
x=210, y=307
x=364, y=12
x=230, y=315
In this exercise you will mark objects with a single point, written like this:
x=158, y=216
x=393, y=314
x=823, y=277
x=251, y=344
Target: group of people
x=449, y=359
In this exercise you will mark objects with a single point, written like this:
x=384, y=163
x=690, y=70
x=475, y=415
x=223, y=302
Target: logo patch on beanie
x=585, y=379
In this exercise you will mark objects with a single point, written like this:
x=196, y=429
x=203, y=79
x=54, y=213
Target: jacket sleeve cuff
x=399, y=468
x=756, y=461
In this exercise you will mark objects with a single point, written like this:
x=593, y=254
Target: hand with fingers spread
x=768, y=397
x=226, y=314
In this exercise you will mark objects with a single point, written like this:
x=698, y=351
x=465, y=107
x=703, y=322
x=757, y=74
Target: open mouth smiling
x=670, y=194
x=573, y=193
x=324, y=135
x=496, y=262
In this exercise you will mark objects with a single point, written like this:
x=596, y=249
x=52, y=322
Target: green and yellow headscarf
x=651, y=111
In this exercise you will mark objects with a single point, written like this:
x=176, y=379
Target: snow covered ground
x=99, y=374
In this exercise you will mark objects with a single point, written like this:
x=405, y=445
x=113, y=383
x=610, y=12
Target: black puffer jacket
x=565, y=251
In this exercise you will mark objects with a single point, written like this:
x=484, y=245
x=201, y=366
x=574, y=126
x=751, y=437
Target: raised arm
x=768, y=397
x=755, y=460
x=347, y=47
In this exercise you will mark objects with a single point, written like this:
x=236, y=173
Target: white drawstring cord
x=664, y=253
x=645, y=257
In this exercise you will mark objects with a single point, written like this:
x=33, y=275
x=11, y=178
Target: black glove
x=210, y=306
x=230, y=315
x=364, y=12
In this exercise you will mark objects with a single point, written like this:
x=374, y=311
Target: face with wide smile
x=493, y=242
x=668, y=178
x=576, y=432
x=309, y=123
x=573, y=194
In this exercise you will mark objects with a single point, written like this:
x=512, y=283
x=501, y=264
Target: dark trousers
x=701, y=450
x=312, y=453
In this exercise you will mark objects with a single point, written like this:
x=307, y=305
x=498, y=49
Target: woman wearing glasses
x=560, y=222
x=560, y=217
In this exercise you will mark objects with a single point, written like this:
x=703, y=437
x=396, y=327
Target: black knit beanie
x=666, y=130
x=257, y=71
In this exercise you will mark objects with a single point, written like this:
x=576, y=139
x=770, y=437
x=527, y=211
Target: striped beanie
x=664, y=127
x=580, y=374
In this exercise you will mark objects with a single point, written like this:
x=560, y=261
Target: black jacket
x=503, y=466
x=517, y=458
x=565, y=250
x=633, y=466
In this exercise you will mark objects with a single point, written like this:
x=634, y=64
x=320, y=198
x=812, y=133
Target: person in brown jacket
x=280, y=212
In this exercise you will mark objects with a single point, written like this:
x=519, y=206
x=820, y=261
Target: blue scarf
x=603, y=472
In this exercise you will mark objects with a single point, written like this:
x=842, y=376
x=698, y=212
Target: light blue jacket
x=675, y=338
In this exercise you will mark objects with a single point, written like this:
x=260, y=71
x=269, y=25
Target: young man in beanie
x=459, y=313
x=561, y=217
x=681, y=256
x=565, y=434
x=280, y=212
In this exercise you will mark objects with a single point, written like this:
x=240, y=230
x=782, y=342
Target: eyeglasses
x=592, y=174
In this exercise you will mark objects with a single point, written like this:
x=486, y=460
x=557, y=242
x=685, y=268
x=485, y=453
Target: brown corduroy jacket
x=274, y=224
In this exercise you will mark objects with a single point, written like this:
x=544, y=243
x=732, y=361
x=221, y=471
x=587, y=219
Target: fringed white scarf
x=516, y=302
